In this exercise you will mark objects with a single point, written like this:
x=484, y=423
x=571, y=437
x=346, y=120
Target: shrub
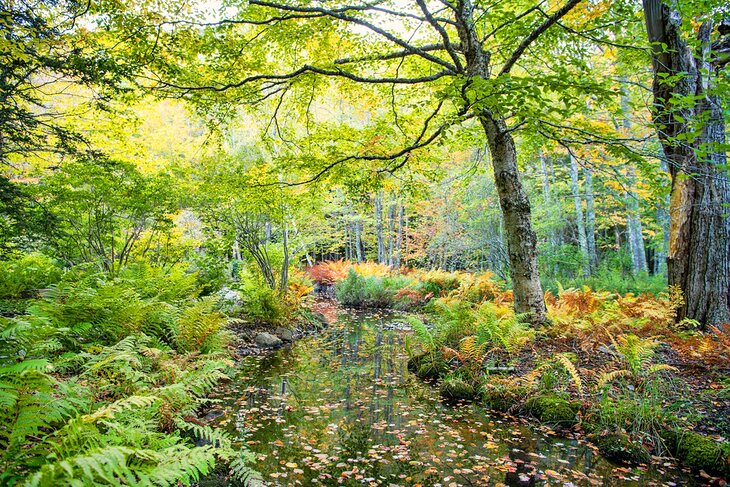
x=329, y=272
x=262, y=304
x=437, y=282
x=27, y=273
x=369, y=291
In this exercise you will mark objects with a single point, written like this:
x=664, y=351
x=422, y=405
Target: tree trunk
x=662, y=217
x=391, y=233
x=520, y=236
x=698, y=260
x=399, y=238
x=579, y=221
x=590, y=219
x=284, y=278
x=379, y=226
x=633, y=215
x=633, y=225
x=359, y=250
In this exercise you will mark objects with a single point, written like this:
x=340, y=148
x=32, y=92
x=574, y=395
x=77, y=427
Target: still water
x=341, y=408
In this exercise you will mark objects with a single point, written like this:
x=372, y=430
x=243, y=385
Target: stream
x=341, y=408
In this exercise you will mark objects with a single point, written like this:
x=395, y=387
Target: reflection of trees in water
x=359, y=372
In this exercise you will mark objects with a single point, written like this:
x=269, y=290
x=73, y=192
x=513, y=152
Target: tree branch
x=560, y=13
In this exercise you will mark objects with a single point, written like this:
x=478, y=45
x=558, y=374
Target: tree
x=42, y=51
x=471, y=62
x=101, y=210
x=688, y=116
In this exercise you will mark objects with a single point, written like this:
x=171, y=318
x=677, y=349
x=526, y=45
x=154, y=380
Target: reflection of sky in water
x=342, y=409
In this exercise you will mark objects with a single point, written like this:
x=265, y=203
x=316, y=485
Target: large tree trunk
x=698, y=260
x=579, y=221
x=520, y=237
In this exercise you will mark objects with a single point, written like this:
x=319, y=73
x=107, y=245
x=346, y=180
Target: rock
x=552, y=409
x=698, y=451
x=229, y=301
x=267, y=340
x=457, y=389
x=284, y=333
x=620, y=448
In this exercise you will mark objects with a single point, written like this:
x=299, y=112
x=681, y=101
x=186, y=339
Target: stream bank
x=341, y=408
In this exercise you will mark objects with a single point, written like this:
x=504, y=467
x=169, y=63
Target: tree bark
x=359, y=249
x=520, y=236
x=633, y=225
x=698, y=260
x=399, y=238
x=379, y=226
x=590, y=218
x=579, y=221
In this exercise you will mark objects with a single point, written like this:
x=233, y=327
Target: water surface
x=342, y=409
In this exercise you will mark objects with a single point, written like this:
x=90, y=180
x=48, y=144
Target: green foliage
x=366, y=291
x=262, y=304
x=200, y=326
x=508, y=331
x=27, y=273
x=109, y=415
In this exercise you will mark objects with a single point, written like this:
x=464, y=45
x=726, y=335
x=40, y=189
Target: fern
x=570, y=368
x=423, y=335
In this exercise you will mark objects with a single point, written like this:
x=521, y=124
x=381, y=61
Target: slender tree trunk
x=520, y=236
x=590, y=218
x=633, y=225
x=579, y=221
x=379, y=226
x=284, y=278
x=391, y=233
x=399, y=238
x=698, y=260
x=662, y=217
x=359, y=250
x=633, y=214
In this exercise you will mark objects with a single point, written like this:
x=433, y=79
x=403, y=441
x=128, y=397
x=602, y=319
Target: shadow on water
x=342, y=409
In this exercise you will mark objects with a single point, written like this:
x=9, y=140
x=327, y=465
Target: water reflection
x=341, y=409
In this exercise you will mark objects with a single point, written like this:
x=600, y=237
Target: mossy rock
x=553, y=409
x=428, y=366
x=619, y=447
x=698, y=451
x=415, y=362
x=457, y=389
x=502, y=399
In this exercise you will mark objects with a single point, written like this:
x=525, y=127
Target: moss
x=698, y=451
x=619, y=447
x=552, y=409
x=457, y=389
x=502, y=397
x=428, y=366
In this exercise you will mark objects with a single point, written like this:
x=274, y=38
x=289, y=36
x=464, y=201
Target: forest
x=364, y=242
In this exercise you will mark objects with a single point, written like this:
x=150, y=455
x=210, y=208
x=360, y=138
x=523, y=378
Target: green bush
x=262, y=304
x=368, y=291
x=27, y=273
